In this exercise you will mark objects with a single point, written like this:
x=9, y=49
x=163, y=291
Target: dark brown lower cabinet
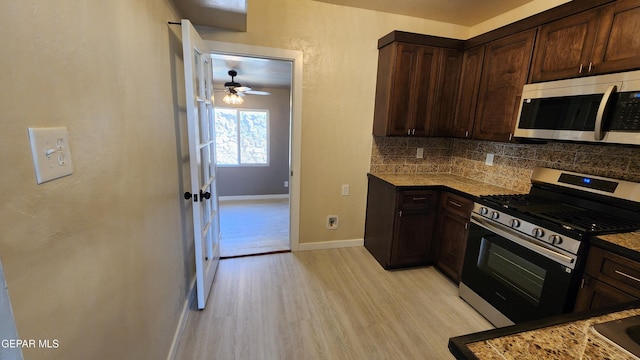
x=451, y=234
x=595, y=294
x=609, y=279
x=399, y=224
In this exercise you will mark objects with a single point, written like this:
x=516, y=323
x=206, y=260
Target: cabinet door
x=595, y=294
x=617, y=46
x=413, y=237
x=401, y=110
x=468, y=92
x=423, y=90
x=444, y=106
x=563, y=48
x=452, y=239
x=405, y=83
x=504, y=73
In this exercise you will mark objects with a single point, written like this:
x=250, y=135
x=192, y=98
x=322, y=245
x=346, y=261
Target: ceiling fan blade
x=242, y=88
x=257, y=92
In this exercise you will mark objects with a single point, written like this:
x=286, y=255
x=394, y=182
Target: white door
x=198, y=74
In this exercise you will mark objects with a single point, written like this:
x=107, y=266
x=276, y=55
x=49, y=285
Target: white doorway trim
x=295, y=56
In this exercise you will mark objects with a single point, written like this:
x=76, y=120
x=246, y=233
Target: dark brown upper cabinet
x=617, y=46
x=404, y=89
x=504, y=73
x=416, y=90
x=447, y=83
x=593, y=42
x=467, y=98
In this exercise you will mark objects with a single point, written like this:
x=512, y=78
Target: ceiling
x=256, y=73
x=461, y=12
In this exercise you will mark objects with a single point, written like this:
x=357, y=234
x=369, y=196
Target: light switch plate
x=51, y=153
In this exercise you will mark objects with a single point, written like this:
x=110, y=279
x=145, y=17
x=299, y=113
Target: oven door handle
x=519, y=239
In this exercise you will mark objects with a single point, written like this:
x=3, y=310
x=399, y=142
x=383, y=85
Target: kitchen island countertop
x=569, y=336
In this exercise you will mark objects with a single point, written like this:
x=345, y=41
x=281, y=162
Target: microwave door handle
x=598, y=133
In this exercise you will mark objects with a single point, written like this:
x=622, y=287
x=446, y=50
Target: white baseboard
x=253, y=197
x=330, y=244
x=191, y=298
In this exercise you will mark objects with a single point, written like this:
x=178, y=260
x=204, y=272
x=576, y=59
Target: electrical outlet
x=489, y=160
x=286, y=184
x=332, y=222
x=51, y=153
x=420, y=153
x=345, y=190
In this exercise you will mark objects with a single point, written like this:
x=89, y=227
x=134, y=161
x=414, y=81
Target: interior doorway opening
x=254, y=151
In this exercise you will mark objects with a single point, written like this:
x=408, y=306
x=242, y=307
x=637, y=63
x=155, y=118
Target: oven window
x=512, y=270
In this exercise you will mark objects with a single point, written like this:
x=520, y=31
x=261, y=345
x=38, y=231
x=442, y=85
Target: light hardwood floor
x=326, y=304
x=253, y=226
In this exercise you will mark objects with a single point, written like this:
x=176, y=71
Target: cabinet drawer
x=615, y=270
x=456, y=204
x=416, y=199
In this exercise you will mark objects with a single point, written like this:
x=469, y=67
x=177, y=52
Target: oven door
x=518, y=281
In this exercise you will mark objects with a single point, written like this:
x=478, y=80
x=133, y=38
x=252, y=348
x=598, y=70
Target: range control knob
x=484, y=211
x=537, y=232
x=555, y=239
x=515, y=223
x=495, y=215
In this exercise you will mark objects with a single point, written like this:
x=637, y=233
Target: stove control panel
x=527, y=228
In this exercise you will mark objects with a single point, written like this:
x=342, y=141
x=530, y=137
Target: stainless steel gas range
x=525, y=253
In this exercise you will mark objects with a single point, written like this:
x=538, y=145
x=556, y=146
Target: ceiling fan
x=235, y=90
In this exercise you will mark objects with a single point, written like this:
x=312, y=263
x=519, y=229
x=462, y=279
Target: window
x=242, y=137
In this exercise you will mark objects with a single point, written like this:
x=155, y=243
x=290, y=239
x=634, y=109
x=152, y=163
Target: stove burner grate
x=518, y=200
x=592, y=221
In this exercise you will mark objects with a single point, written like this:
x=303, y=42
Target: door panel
x=199, y=91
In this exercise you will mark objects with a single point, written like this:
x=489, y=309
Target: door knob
x=206, y=195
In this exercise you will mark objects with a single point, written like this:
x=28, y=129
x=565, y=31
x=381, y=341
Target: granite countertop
x=453, y=182
x=569, y=339
x=625, y=244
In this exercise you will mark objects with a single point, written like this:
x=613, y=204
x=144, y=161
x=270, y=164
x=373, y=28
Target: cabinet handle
x=580, y=71
x=408, y=131
x=590, y=67
x=466, y=226
x=419, y=198
x=400, y=213
x=466, y=133
x=413, y=132
x=455, y=203
x=627, y=276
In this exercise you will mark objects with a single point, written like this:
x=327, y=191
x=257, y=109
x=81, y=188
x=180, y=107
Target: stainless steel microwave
x=604, y=108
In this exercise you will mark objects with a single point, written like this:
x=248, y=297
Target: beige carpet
x=253, y=226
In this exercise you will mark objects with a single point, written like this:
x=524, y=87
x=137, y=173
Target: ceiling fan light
x=232, y=99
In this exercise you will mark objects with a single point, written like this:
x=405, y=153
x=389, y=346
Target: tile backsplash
x=512, y=164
